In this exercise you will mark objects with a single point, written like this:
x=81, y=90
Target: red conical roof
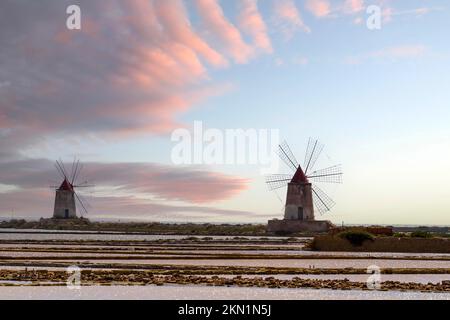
x=66, y=186
x=299, y=176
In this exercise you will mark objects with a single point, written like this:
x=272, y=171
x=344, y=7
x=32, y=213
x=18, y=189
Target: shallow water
x=293, y=263
x=205, y=248
x=206, y=293
x=36, y=234
x=44, y=255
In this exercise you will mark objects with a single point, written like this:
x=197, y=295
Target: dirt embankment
x=104, y=277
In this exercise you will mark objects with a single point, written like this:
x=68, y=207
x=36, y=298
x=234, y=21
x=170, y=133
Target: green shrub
x=356, y=237
x=400, y=235
x=420, y=234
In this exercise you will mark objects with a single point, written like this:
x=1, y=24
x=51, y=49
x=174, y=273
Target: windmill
x=66, y=196
x=302, y=195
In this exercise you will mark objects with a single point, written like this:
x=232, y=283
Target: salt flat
x=207, y=293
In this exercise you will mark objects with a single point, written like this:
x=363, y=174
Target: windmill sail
x=322, y=201
x=328, y=175
x=313, y=152
x=287, y=156
x=80, y=201
x=277, y=181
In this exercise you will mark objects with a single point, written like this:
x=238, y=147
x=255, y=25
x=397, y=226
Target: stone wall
x=292, y=226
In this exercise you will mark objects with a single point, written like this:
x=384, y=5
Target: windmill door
x=300, y=213
x=66, y=213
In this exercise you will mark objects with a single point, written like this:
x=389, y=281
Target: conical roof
x=299, y=176
x=66, y=186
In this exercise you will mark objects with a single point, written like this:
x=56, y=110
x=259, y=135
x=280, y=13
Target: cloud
x=415, y=12
x=252, y=23
x=131, y=208
x=288, y=19
x=301, y=60
x=39, y=203
x=122, y=190
x=405, y=51
x=389, y=12
x=391, y=53
x=138, y=179
x=133, y=68
x=353, y=6
x=173, y=18
x=319, y=8
x=222, y=30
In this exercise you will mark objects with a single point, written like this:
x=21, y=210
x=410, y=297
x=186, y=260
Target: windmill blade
x=84, y=186
x=313, y=152
x=277, y=181
x=75, y=172
x=80, y=202
x=60, y=170
x=328, y=175
x=63, y=168
x=285, y=154
x=322, y=201
x=71, y=169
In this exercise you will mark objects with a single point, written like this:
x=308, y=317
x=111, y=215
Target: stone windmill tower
x=65, y=195
x=302, y=196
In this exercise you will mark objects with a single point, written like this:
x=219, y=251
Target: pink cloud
x=223, y=31
x=288, y=18
x=319, y=8
x=134, y=69
x=38, y=203
x=387, y=14
x=353, y=6
x=173, y=18
x=164, y=182
x=251, y=22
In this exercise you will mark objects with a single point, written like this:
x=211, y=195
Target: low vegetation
x=358, y=242
x=356, y=237
x=421, y=234
x=83, y=224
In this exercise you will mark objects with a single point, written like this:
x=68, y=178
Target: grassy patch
x=421, y=234
x=190, y=229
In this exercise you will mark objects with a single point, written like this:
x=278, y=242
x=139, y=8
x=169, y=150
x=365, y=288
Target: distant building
x=65, y=202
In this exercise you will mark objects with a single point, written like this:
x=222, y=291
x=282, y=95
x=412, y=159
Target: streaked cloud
x=252, y=23
x=226, y=34
x=353, y=6
x=392, y=53
x=144, y=179
x=319, y=8
x=288, y=18
x=39, y=203
x=133, y=68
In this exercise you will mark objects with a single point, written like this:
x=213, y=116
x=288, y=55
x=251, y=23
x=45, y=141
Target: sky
x=113, y=93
